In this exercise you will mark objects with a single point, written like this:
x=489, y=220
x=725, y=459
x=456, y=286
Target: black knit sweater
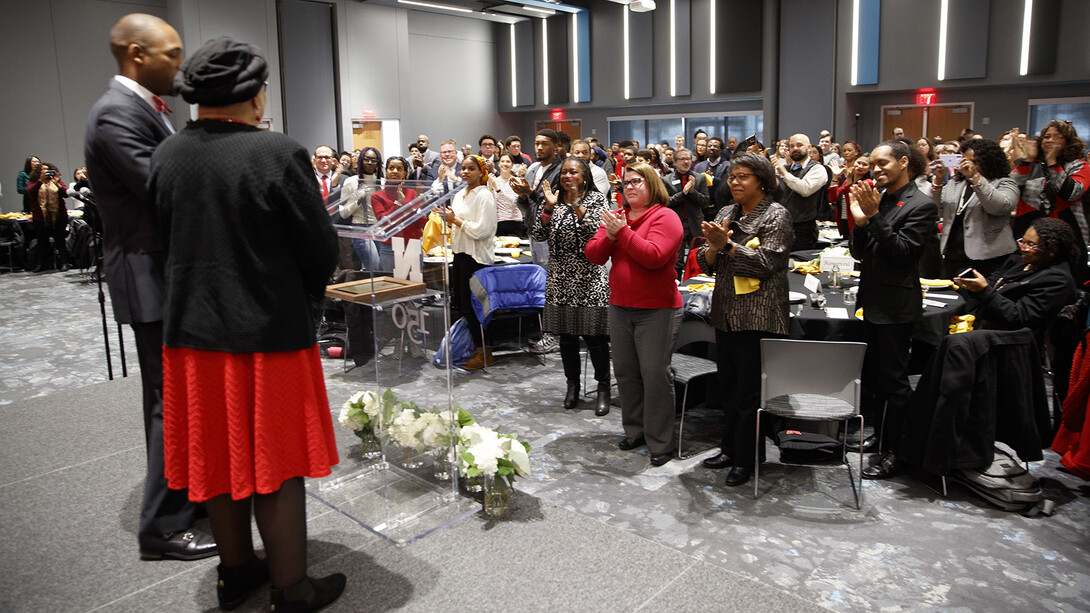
x=248, y=240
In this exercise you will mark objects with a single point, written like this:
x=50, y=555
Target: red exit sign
x=557, y=114
x=925, y=98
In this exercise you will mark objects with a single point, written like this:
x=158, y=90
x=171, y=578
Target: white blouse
x=476, y=236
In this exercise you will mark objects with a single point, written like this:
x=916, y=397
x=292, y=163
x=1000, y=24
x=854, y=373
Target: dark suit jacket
x=690, y=207
x=532, y=203
x=888, y=249
x=122, y=132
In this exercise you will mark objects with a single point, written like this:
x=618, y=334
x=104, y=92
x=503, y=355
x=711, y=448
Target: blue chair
x=501, y=292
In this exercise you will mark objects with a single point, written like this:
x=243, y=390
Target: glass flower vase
x=370, y=447
x=442, y=466
x=497, y=495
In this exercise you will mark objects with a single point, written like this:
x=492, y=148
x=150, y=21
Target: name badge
x=676, y=181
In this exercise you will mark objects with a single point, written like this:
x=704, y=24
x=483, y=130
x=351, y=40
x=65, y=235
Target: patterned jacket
x=767, y=308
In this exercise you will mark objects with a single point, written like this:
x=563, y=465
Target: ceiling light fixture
x=432, y=5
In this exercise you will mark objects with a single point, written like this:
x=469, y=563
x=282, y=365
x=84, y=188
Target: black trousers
x=164, y=510
x=806, y=235
x=43, y=232
x=738, y=358
x=462, y=269
x=885, y=376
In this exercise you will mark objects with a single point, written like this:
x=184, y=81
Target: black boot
x=237, y=583
x=572, y=397
x=308, y=595
x=601, y=407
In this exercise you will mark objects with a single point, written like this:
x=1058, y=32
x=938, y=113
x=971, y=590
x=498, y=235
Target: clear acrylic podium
x=404, y=489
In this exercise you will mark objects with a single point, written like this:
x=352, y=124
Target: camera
x=51, y=173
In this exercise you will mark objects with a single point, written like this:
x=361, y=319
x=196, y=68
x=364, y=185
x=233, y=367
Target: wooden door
x=366, y=134
x=948, y=121
x=572, y=127
x=908, y=118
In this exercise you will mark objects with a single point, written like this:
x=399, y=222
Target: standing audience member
x=513, y=144
x=49, y=216
x=581, y=149
x=975, y=208
x=326, y=172
x=529, y=189
x=123, y=129
x=688, y=193
x=891, y=228
x=715, y=165
x=576, y=291
x=508, y=215
x=29, y=172
x=641, y=241
x=801, y=189
x=358, y=209
x=472, y=218
x=241, y=358
x=748, y=246
x=840, y=194
x=393, y=195
x=1053, y=178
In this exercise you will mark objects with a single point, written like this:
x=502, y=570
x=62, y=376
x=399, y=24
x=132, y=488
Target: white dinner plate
x=795, y=297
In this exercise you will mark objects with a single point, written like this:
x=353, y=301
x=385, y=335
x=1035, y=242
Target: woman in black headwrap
x=249, y=245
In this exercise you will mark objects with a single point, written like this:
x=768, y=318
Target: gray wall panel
x=308, y=73
x=966, y=40
x=807, y=66
x=641, y=54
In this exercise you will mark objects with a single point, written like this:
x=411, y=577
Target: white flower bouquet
x=485, y=452
x=366, y=412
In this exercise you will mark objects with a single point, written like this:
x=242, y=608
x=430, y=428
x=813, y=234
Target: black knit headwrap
x=222, y=72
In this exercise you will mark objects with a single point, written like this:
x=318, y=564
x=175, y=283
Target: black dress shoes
x=887, y=466
x=869, y=443
x=738, y=475
x=658, y=459
x=720, y=461
x=572, y=397
x=601, y=406
x=628, y=443
x=188, y=545
x=236, y=583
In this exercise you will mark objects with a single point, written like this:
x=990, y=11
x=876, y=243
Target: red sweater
x=643, y=255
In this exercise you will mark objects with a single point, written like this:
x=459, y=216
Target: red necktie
x=325, y=189
x=160, y=105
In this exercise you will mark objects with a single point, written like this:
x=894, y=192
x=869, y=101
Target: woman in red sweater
x=642, y=240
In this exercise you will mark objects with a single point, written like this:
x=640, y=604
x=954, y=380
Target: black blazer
x=690, y=207
x=531, y=204
x=1017, y=298
x=122, y=132
x=888, y=249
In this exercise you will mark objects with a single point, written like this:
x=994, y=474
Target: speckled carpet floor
x=592, y=529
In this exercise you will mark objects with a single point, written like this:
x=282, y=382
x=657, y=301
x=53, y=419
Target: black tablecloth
x=815, y=324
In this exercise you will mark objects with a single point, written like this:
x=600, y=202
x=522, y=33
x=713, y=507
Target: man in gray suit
x=123, y=129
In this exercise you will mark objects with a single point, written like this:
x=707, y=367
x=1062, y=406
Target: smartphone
x=950, y=160
x=966, y=274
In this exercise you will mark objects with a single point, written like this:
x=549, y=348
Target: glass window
x=1075, y=110
x=664, y=129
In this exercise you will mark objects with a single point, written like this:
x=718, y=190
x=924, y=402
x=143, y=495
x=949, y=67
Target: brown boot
x=481, y=357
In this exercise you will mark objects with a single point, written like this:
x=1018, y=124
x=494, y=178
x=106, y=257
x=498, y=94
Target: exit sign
x=925, y=98
x=557, y=114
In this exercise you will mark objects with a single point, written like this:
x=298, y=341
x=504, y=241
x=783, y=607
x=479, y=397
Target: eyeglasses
x=323, y=157
x=1026, y=245
x=632, y=183
x=738, y=176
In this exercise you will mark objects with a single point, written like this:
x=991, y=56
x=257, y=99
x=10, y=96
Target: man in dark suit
x=123, y=129
x=688, y=198
x=893, y=220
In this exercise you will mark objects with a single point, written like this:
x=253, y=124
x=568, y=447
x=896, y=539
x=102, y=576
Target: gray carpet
x=593, y=528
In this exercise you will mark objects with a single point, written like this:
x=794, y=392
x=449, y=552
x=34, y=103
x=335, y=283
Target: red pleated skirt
x=243, y=423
